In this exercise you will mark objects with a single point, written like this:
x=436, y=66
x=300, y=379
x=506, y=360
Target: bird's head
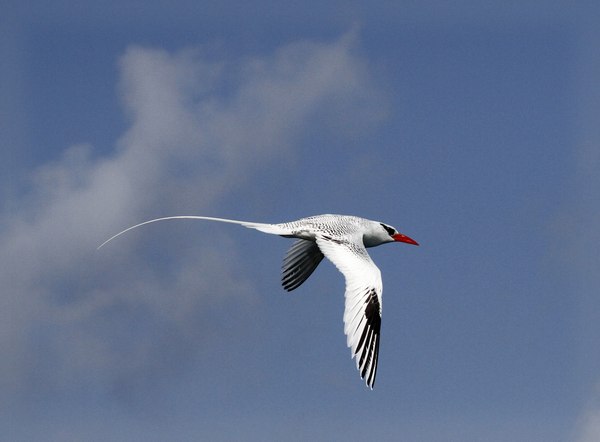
x=389, y=234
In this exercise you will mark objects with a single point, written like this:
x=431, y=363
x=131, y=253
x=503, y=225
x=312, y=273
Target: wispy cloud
x=199, y=129
x=588, y=426
x=582, y=258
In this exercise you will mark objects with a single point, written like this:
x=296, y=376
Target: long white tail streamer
x=266, y=228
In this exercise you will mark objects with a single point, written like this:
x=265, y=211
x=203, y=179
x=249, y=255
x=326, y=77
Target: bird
x=344, y=240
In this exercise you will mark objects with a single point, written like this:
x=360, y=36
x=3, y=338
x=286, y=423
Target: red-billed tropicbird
x=343, y=240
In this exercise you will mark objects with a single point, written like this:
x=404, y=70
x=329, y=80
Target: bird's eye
x=388, y=229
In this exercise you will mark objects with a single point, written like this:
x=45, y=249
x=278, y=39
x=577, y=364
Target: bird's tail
x=273, y=229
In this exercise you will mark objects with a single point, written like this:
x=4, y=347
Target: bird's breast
x=305, y=234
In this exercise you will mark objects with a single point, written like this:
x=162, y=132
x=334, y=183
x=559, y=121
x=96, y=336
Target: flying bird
x=343, y=240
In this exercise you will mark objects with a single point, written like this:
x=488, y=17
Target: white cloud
x=581, y=256
x=198, y=130
x=589, y=426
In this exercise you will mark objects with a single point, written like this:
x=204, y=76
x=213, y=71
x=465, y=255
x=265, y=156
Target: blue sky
x=471, y=127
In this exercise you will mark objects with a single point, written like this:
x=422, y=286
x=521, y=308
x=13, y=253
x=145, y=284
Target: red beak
x=399, y=237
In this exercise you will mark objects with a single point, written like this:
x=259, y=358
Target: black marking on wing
x=335, y=240
x=300, y=261
x=368, y=346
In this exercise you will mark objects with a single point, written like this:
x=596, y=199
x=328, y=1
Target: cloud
x=198, y=130
x=589, y=425
x=581, y=255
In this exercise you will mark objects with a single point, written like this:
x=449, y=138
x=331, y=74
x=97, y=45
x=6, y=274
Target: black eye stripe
x=388, y=229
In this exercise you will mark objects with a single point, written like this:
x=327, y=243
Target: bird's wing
x=362, y=312
x=300, y=261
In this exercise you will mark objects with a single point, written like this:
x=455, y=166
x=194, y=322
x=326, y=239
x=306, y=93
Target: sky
x=472, y=127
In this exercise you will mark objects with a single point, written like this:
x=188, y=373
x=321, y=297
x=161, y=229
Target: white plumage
x=343, y=240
